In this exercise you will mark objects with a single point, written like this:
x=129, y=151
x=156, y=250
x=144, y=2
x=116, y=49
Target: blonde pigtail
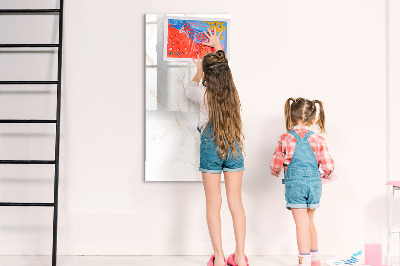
x=288, y=114
x=321, y=116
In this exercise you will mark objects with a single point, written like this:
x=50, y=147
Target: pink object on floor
x=231, y=260
x=211, y=261
x=326, y=181
x=393, y=183
x=373, y=254
x=316, y=263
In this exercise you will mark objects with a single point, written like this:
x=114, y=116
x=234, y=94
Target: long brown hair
x=303, y=110
x=223, y=104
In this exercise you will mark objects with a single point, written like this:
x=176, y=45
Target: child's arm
x=213, y=39
x=277, y=159
x=199, y=72
x=327, y=163
x=194, y=91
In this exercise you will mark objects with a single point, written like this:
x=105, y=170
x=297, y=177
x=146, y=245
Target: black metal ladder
x=57, y=82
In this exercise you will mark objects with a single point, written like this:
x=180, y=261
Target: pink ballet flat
x=231, y=260
x=211, y=261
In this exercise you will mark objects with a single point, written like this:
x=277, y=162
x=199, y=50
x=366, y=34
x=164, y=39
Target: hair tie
x=219, y=64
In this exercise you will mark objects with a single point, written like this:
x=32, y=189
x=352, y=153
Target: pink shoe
x=316, y=263
x=231, y=260
x=211, y=261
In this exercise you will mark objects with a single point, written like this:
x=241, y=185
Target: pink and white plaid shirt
x=287, y=144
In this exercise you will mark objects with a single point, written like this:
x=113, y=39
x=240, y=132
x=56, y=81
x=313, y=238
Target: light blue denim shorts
x=303, y=193
x=210, y=160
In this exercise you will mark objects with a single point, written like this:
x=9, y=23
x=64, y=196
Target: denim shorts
x=210, y=160
x=303, y=193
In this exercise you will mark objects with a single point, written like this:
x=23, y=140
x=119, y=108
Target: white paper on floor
x=350, y=258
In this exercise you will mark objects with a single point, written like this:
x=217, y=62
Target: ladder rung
x=29, y=82
x=7, y=11
x=27, y=121
x=27, y=161
x=33, y=45
x=33, y=204
x=395, y=231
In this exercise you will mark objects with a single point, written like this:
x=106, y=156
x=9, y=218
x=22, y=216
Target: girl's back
x=287, y=146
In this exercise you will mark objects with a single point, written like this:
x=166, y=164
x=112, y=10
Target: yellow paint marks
x=219, y=26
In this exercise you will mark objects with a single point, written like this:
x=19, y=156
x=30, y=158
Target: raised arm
x=199, y=72
x=194, y=91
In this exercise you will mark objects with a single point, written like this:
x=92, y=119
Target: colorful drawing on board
x=183, y=38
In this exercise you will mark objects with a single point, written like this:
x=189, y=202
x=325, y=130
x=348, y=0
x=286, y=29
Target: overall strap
x=303, y=164
x=294, y=133
x=308, y=134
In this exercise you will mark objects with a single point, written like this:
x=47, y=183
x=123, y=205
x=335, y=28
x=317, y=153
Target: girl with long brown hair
x=301, y=153
x=221, y=147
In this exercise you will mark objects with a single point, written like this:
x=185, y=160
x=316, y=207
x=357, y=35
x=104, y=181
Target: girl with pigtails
x=302, y=154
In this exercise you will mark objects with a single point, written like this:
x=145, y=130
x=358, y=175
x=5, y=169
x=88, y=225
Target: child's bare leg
x=233, y=184
x=313, y=230
x=302, y=221
x=315, y=261
x=212, y=188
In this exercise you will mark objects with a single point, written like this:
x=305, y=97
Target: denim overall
x=211, y=162
x=302, y=181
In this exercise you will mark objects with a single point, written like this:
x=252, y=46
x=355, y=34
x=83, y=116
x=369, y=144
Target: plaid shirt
x=287, y=144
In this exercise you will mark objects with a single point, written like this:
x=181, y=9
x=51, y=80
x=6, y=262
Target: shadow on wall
x=376, y=220
x=259, y=186
x=375, y=213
